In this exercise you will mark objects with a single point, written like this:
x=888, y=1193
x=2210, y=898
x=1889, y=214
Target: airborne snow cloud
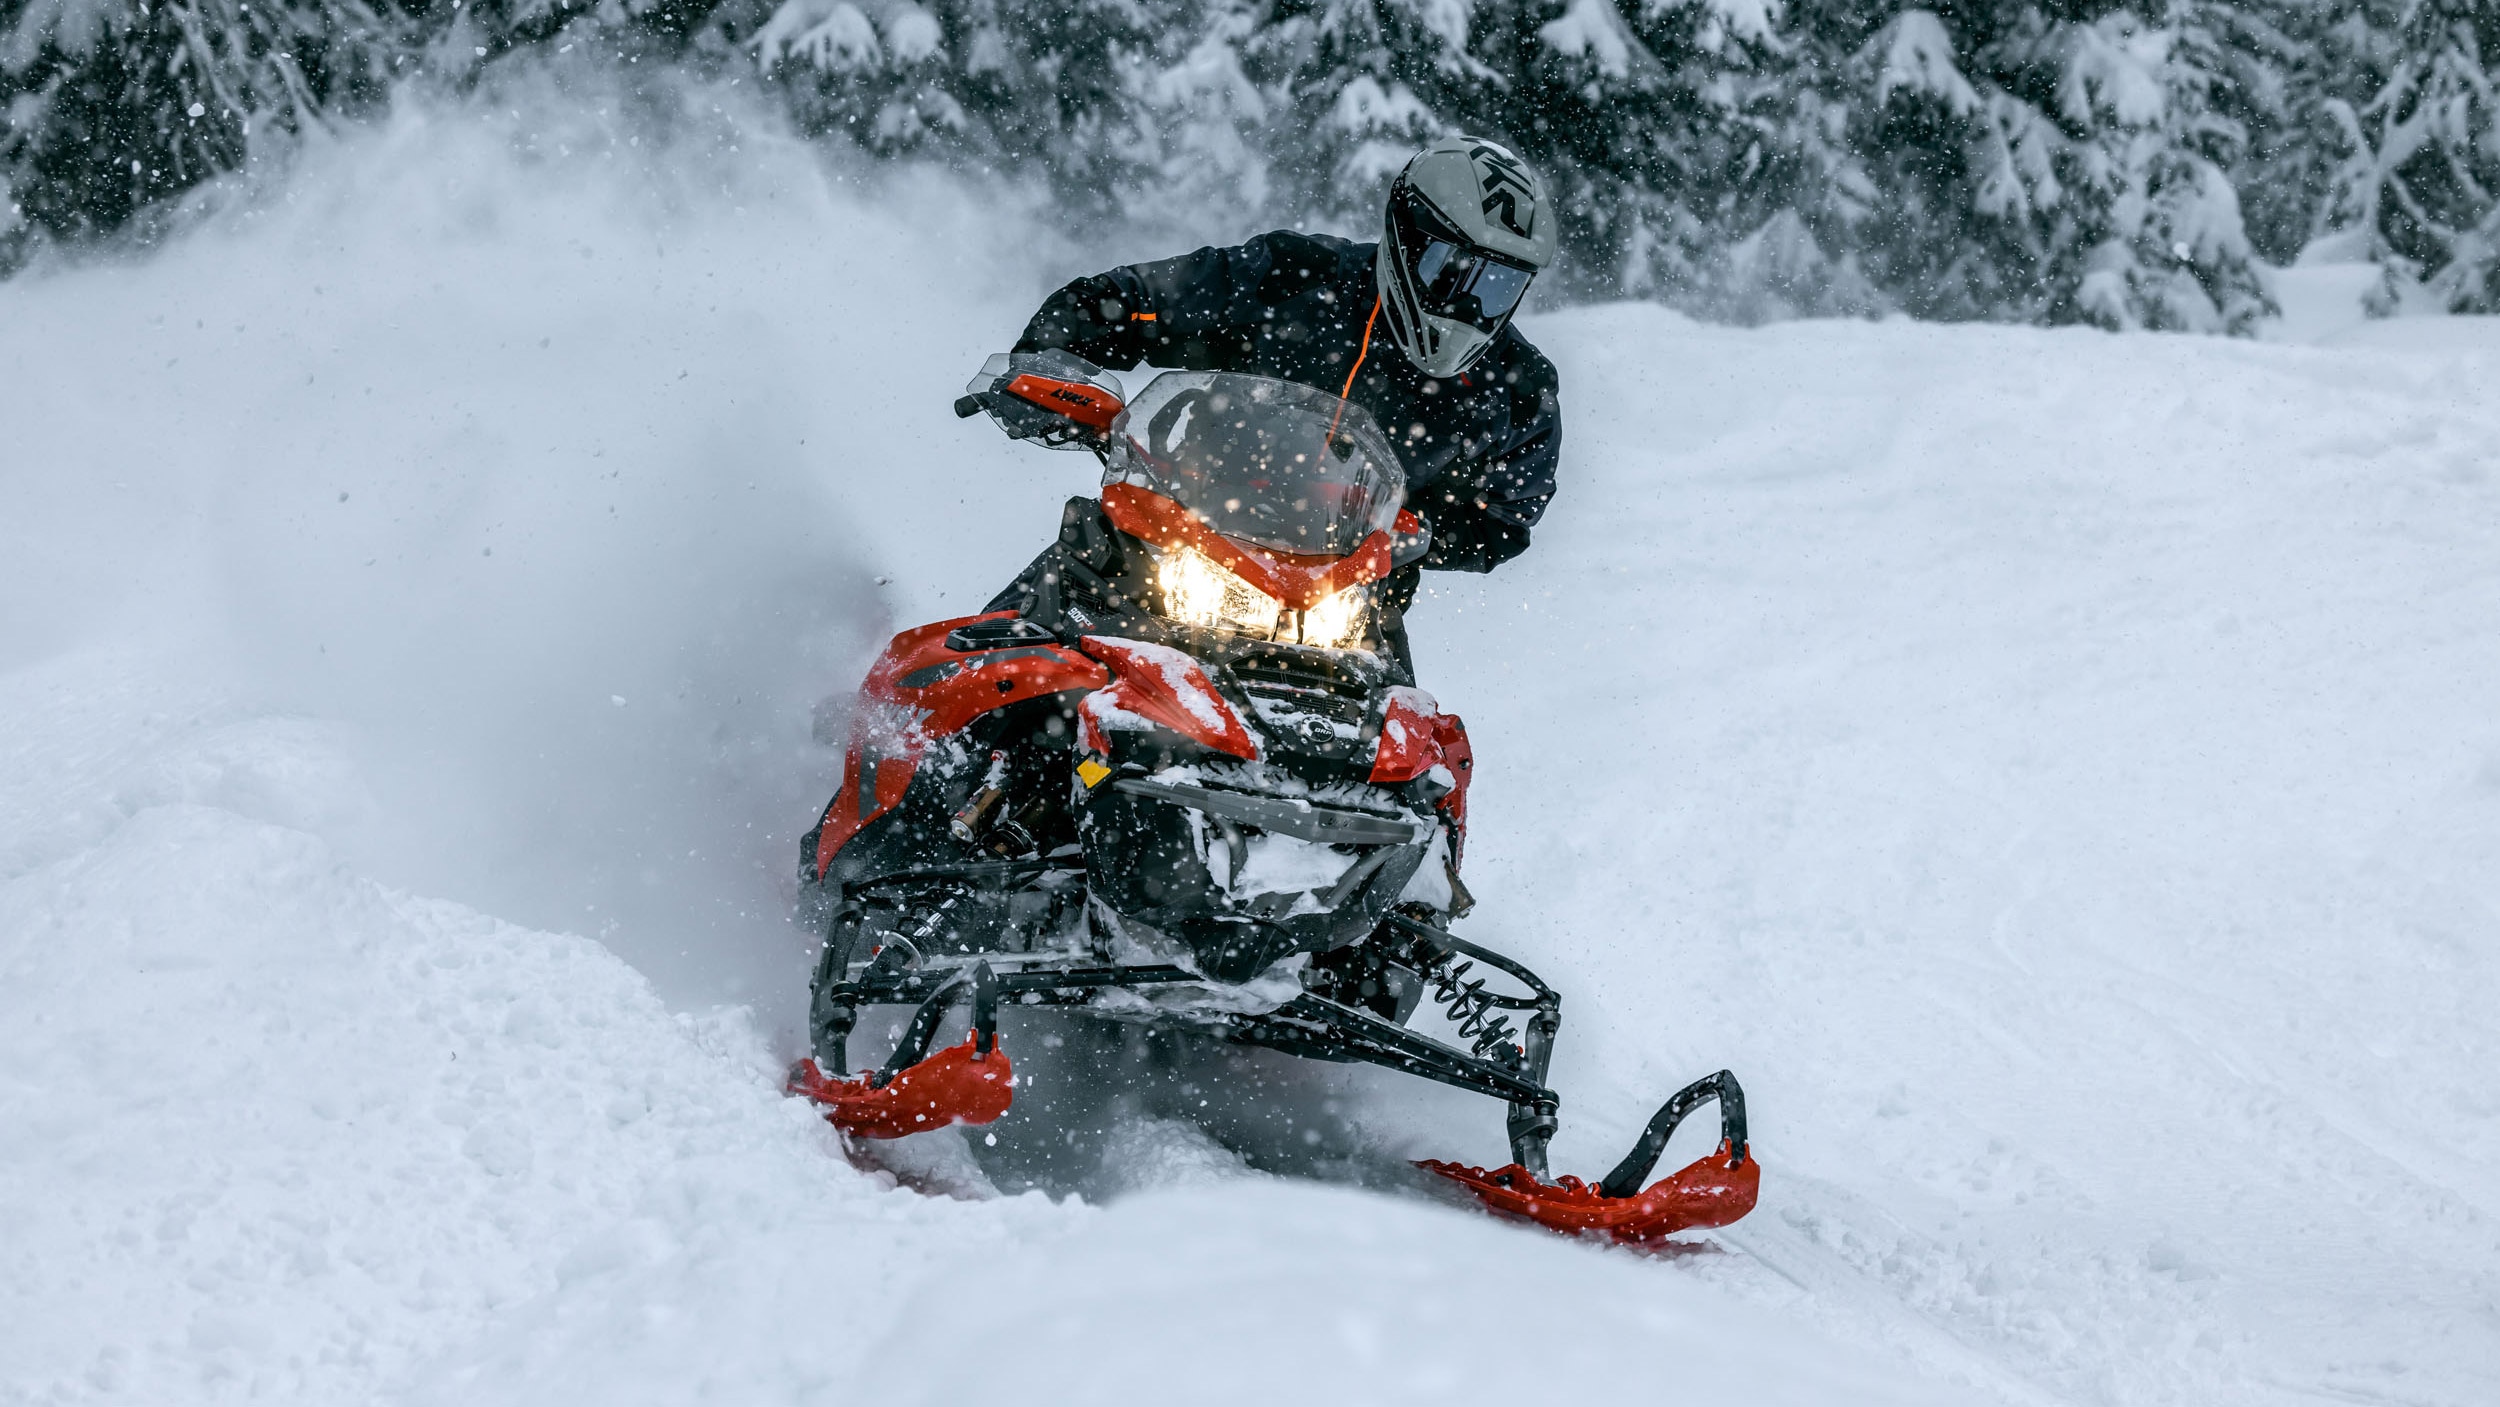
x=529, y=441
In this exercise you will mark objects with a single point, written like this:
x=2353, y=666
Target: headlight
x=1337, y=623
x=1198, y=590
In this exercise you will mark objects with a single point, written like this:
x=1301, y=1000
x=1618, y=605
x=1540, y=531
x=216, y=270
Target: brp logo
x=1506, y=189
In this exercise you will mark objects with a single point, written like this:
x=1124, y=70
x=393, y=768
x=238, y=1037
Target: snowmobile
x=1190, y=781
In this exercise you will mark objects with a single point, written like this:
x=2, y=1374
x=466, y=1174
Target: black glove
x=1093, y=317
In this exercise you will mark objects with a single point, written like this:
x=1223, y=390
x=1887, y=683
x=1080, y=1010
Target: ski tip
x=958, y=1085
x=1716, y=1190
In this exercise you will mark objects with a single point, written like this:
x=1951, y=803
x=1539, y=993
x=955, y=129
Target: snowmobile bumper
x=1712, y=1191
x=916, y=1092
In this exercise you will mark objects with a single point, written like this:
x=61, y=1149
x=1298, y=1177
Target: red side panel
x=1165, y=687
x=1415, y=737
x=1460, y=758
x=1297, y=580
x=1410, y=740
x=919, y=691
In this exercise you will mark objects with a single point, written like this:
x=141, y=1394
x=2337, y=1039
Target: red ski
x=1710, y=1191
x=916, y=1092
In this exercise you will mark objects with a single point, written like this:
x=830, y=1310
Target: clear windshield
x=1276, y=463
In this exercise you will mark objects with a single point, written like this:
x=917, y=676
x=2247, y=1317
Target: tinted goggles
x=1457, y=281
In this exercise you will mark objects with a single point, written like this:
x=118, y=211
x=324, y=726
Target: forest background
x=2128, y=166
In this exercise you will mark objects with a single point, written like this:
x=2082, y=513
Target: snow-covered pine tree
x=2260, y=64
x=1683, y=149
x=2407, y=129
x=2029, y=164
x=891, y=75
x=1191, y=142
x=1115, y=107
x=2170, y=249
x=115, y=105
x=1358, y=86
x=2060, y=160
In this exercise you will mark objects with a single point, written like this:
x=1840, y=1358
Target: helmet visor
x=1454, y=279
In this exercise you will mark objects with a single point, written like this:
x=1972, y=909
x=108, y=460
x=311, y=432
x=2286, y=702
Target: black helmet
x=1467, y=227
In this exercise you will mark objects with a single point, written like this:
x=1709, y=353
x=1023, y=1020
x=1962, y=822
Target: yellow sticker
x=1091, y=773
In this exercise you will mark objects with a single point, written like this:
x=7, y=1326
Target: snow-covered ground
x=2059, y=772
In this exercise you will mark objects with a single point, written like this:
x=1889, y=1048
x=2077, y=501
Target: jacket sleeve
x=1480, y=519
x=1204, y=310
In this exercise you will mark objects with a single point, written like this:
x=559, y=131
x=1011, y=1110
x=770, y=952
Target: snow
x=1103, y=710
x=1283, y=864
x=278, y=1132
x=836, y=37
x=1183, y=680
x=2057, y=771
x=1591, y=29
x=1918, y=58
x=2115, y=67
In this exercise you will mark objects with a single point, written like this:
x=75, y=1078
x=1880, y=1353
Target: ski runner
x=1471, y=408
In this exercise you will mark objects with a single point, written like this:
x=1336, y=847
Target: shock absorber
x=1435, y=953
x=1474, y=1010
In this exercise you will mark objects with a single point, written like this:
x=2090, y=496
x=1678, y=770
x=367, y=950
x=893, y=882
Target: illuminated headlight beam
x=1337, y=622
x=1198, y=590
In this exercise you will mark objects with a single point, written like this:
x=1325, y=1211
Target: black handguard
x=1052, y=396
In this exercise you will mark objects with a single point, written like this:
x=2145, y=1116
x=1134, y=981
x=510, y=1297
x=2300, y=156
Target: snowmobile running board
x=915, y=1091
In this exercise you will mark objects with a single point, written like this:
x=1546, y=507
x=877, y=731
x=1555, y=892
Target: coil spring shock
x=1488, y=1032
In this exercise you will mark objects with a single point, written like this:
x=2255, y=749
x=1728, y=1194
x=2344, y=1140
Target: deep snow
x=2059, y=772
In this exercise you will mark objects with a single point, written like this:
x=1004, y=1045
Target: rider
x=1471, y=407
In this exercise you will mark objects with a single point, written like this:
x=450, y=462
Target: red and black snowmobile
x=1191, y=782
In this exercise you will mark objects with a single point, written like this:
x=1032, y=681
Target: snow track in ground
x=2058, y=772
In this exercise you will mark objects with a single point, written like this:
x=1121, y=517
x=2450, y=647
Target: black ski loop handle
x=914, y=1047
x=1626, y=1179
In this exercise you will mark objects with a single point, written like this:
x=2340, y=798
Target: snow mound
x=279, y=1132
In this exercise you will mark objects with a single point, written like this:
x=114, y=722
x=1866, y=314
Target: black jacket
x=1479, y=450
